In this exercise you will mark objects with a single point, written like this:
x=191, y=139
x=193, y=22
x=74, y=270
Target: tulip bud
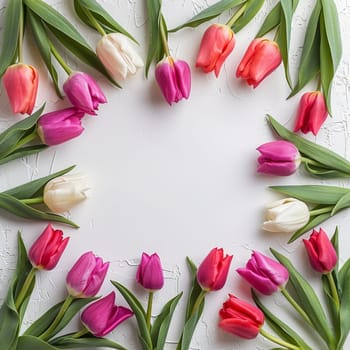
x=264, y=274
x=149, y=273
x=279, y=158
x=217, y=43
x=46, y=251
x=85, y=278
x=63, y=192
x=312, y=112
x=212, y=272
x=286, y=215
x=102, y=316
x=21, y=84
x=116, y=52
x=83, y=92
x=321, y=252
x=262, y=57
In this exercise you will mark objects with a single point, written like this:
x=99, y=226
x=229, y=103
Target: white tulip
x=118, y=55
x=286, y=215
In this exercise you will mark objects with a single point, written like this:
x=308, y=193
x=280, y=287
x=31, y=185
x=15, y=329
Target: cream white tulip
x=64, y=192
x=118, y=55
x=286, y=215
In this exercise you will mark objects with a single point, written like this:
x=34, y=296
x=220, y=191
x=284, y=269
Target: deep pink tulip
x=217, y=43
x=60, y=126
x=279, y=158
x=83, y=92
x=86, y=276
x=21, y=84
x=312, y=112
x=262, y=57
x=149, y=273
x=321, y=252
x=102, y=316
x=241, y=318
x=264, y=274
x=174, y=79
x=212, y=272
x=46, y=251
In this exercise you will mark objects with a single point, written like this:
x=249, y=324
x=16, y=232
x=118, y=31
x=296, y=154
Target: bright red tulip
x=149, y=273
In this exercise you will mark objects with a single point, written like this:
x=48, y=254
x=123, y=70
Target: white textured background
x=175, y=180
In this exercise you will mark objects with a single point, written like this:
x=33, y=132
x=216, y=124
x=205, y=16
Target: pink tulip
x=46, y=251
x=264, y=274
x=21, y=84
x=60, y=126
x=86, y=276
x=279, y=158
x=149, y=273
x=312, y=112
x=102, y=316
x=174, y=79
x=262, y=57
x=217, y=43
x=212, y=272
x=321, y=252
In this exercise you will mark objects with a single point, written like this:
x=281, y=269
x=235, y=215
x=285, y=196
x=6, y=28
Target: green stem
x=277, y=340
x=198, y=302
x=149, y=310
x=236, y=15
x=20, y=36
x=319, y=83
x=60, y=59
x=22, y=294
x=164, y=37
x=36, y=200
x=311, y=161
x=80, y=334
x=46, y=335
x=334, y=291
x=93, y=21
x=321, y=211
x=27, y=139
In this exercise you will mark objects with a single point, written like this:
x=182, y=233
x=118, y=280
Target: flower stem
x=80, y=333
x=198, y=302
x=149, y=310
x=163, y=36
x=333, y=288
x=321, y=211
x=277, y=340
x=311, y=161
x=26, y=285
x=60, y=59
x=93, y=21
x=20, y=36
x=236, y=15
x=36, y=200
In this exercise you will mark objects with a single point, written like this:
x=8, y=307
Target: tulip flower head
x=21, y=84
x=85, y=278
x=312, y=112
x=264, y=274
x=286, y=215
x=117, y=54
x=217, y=43
x=149, y=273
x=60, y=126
x=102, y=316
x=321, y=252
x=174, y=79
x=279, y=158
x=241, y=318
x=83, y=92
x=212, y=272
x=262, y=57
x=46, y=251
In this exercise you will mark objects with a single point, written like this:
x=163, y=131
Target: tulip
x=321, y=252
x=83, y=92
x=117, y=54
x=63, y=192
x=212, y=272
x=217, y=43
x=60, y=126
x=46, y=251
x=21, y=84
x=149, y=273
x=241, y=318
x=174, y=79
x=102, y=316
x=262, y=57
x=279, y=158
x=286, y=215
x=312, y=112
x=85, y=278
x=264, y=274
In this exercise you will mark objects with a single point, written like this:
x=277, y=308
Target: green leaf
x=344, y=309
x=343, y=273
x=272, y=20
x=28, y=342
x=23, y=152
x=251, y=10
x=344, y=202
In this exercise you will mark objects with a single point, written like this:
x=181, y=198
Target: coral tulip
x=21, y=84
x=217, y=43
x=149, y=273
x=262, y=57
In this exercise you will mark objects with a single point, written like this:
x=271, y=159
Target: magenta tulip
x=149, y=273
x=264, y=274
x=86, y=276
x=46, y=251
